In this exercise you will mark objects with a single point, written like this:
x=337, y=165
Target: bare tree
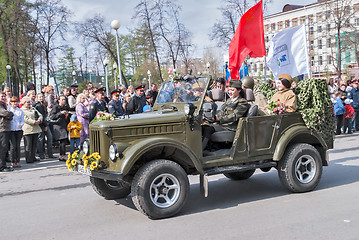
x=53, y=19
x=147, y=15
x=339, y=12
x=232, y=10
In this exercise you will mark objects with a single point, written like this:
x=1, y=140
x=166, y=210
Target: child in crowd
x=348, y=116
x=74, y=128
x=339, y=110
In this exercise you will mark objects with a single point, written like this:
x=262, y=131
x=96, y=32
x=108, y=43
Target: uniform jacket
x=30, y=116
x=5, y=118
x=136, y=104
x=355, y=96
x=116, y=108
x=95, y=107
x=288, y=97
x=74, y=132
x=231, y=112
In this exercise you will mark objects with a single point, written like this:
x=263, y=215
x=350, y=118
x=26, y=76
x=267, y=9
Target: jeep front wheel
x=160, y=189
x=243, y=175
x=301, y=168
x=110, y=189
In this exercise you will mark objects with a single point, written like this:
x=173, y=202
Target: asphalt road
x=46, y=201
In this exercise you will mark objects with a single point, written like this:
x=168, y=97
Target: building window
x=329, y=59
x=295, y=22
x=272, y=26
x=319, y=17
x=287, y=23
x=328, y=43
x=320, y=60
x=356, y=7
x=347, y=10
x=312, y=61
x=302, y=20
x=311, y=30
x=311, y=45
x=255, y=67
x=310, y=18
x=320, y=43
x=280, y=25
x=267, y=28
x=328, y=13
x=347, y=57
x=328, y=27
x=319, y=29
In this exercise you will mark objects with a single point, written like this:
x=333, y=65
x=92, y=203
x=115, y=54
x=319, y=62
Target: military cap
x=355, y=81
x=236, y=83
x=115, y=92
x=140, y=87
x=101, y=90
x=286, y=76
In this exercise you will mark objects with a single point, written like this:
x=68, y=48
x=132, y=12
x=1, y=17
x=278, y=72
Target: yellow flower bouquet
x=92, y=161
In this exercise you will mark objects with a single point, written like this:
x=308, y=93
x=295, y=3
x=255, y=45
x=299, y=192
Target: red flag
x=248, y=39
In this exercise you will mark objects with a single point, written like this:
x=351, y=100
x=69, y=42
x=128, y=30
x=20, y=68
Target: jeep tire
x=110, y=189
x=301, y=168
x=243, y=175
x=160, y=189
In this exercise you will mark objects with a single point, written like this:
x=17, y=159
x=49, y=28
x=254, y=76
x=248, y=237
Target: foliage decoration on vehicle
x=266, y=89
x=316, y=108
x=92, y=161
x=103, y=116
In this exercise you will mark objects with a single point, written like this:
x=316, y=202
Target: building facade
x=321, y=21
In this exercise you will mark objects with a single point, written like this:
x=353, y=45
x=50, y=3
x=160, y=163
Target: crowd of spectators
x=46, y=121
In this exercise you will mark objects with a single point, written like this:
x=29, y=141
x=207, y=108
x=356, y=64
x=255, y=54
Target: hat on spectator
x=101, y=90
x=355, y=81
x=115, y=92
x=74, y=85
x=140, y=87
x=286, y=80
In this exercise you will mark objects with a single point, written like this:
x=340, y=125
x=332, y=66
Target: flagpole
x=265, y=68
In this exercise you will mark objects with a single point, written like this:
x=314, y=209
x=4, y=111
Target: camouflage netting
x=313, y=103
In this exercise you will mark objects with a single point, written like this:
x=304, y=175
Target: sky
x=197, y=15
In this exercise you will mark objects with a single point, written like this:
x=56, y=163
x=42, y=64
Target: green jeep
x=149, y=155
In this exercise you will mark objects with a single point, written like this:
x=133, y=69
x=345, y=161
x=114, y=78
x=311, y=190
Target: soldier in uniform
x=137, y=101
x=98, y=104
x=235, y=107
x=115, y=105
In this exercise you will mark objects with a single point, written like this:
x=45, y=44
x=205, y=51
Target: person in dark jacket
x=153, y=92
x=115, y=105
x=60, y=117
x=355, y=104
x=40, y=105
x=5, y=128
x=137, y=102
x=98, y=104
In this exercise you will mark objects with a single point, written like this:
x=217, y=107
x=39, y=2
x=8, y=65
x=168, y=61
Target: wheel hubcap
x=164, y=190
x=305, y=168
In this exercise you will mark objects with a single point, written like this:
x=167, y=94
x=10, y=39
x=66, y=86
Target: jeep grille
x=95, y=141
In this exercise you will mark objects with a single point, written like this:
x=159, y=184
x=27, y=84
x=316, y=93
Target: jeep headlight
x=189, y=108
x=113, y=152
x=85, y=147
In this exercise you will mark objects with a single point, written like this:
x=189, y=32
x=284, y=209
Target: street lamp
x=114, y=66
x=90, y=71
x=208, y=65
x=115, y=24
x=74, y=76
x=149, y=78
x=8, y=67
x=105, y=63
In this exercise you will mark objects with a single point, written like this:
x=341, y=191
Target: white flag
x=288, y=52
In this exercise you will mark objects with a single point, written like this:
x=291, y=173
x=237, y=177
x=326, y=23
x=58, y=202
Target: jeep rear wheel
x=160, y=189
x=301, y=168
x=110, y=189
x=243, y=175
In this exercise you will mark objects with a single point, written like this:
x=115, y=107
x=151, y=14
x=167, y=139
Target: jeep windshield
x=182, y=91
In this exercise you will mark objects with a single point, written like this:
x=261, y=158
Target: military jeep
x=149, y=155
